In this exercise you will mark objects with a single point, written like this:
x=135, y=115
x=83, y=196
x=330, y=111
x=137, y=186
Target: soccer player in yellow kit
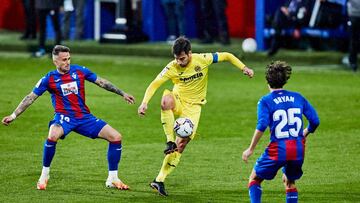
x=189, y=73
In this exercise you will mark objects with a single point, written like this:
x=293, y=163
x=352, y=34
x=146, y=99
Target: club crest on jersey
x=74, y=76
x=69, y=88
x=197, y=68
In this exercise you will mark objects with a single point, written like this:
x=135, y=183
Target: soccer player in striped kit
x=282, y=111
x=66, y=86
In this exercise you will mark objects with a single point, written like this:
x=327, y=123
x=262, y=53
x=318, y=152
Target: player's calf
x=255, y=191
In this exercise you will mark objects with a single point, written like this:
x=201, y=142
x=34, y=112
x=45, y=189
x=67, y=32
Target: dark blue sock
x=255, y=192
x=49, y=152
x=114, y=155
x=291, y=196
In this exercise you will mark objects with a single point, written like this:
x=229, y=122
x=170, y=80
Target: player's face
x=183, y=59
x=62, y=62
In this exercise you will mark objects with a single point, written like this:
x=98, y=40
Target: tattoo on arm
x=101, y=82
x=25, y=103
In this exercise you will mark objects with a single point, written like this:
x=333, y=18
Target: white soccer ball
x=183, y=127
x=249, y=45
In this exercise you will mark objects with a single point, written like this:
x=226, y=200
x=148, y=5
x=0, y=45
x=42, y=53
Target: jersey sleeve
x=162, y=77
x=263, y=116
x=311, y=115
x=89, y=75
x=41, y=86
x=225, y=56
x=166, y=72
x=209, y=58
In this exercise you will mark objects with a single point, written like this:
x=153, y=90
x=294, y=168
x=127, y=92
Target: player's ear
x=54, y=61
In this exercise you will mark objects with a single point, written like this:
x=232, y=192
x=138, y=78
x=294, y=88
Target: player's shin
x=291, y=195
x=255, y=191
x=49, y=152
x=169, y=164
x=114, y=155
x=167, y=120
x=48, y=155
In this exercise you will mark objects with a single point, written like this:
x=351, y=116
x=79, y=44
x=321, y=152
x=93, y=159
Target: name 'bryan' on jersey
x=282, y=99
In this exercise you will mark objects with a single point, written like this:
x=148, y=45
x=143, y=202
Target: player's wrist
x=13, y=116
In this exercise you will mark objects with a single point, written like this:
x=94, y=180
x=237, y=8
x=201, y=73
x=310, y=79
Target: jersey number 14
x=287, y=117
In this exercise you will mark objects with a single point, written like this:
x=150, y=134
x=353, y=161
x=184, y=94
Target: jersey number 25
x=288, y=117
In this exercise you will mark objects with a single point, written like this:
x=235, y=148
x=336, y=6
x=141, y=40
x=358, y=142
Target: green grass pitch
x=210, y=170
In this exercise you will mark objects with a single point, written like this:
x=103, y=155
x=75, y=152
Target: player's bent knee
x=253, y=177
x=289, y=184
x=167, y=103
x=114, y=137
x=110, y=134
x=117, y=137
x=55, y=132
x=53, y=138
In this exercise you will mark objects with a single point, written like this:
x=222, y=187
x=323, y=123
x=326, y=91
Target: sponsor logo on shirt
x=197, y=68
x=191, y=78
x=69, y=88
x=164, y=71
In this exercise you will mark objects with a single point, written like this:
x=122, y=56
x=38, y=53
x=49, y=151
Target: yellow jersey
x=190, y=82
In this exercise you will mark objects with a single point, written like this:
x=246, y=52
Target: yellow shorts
x=185, y=110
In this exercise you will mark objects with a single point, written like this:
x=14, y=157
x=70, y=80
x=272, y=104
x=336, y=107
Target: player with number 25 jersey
x=282, y=112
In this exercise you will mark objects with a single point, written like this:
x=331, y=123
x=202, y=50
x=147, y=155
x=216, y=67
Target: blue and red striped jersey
x=282, y=112
x=67, y=90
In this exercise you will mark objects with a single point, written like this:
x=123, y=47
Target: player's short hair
x=181, y=44
x=277, y=73
x=59, y=48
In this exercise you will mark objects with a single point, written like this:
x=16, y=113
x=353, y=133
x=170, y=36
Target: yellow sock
x=167, y=120
x=169, y=164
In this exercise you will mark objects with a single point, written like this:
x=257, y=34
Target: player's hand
x=129, y=98
x=7, y=120
x=306, y=132
x=246, y=154
x=249, y=72
x=142, y=109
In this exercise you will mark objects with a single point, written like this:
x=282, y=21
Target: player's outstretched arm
x=249, y=151
x=150, y=91
x=101, y=82
x=225, y=56
x=24, y=104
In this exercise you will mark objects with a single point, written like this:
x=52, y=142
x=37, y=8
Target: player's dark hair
x=277, y=73
x=59, y=48
x=181, y=44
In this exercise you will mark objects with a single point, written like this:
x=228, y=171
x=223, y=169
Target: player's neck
x=61, y=72
x=275, y=89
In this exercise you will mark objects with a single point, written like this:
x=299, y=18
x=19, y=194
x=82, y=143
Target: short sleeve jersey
x=67, y=90
x=282, y=112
